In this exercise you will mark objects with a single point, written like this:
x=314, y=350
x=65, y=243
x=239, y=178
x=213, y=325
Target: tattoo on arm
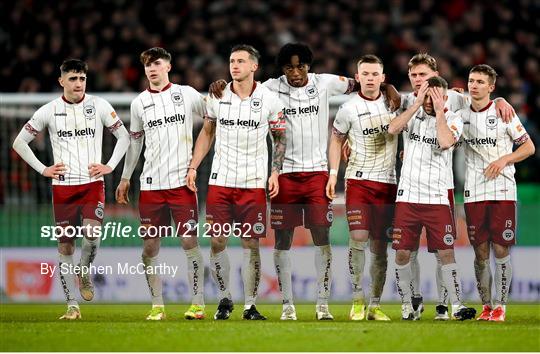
x=278, y=153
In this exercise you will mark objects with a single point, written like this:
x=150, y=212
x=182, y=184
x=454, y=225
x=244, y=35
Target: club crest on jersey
x=89, y=112
x=311, y=91
x=256, y=104
x=258, y=228
x=448, y=239
x=508, y=234
x=491, y=122
x=177, y=98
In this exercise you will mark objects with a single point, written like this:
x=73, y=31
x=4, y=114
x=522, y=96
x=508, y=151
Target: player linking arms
x=162, y=117
x=240, y=121
x=371, y=182
x=422, y=198
x=75, y=122
x=490, y=188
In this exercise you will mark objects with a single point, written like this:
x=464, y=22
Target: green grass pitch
x=123, y=328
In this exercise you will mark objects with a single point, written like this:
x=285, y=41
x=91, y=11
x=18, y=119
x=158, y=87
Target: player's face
x=428, y=102
x=74, y=85
x=479, y=86
x=370, y=76
x=241, y=66
x=157, y=71
x=296, y=72
x=420, y=73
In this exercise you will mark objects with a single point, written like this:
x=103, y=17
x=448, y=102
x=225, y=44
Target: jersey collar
x=252, y=88
x=168, y=86
x=69, y=102
x=483, y=109
x=367, y=98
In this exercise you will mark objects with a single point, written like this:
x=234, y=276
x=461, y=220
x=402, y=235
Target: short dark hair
x=153, y=54
x=487, y=70
x=437, y=81
x=423, y=58
x=305, y=55
x=75, y=65
x=253, y=53
x=371, y=59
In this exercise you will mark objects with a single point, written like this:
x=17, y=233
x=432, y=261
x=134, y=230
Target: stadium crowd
x=110, y=35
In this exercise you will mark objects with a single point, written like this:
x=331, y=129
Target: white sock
x=251, y=275
x=441, y=289
x=482, y=271
x=282, y=262
x=403, y=282
x=195, y=267
x=221, y=269
x=89, y=250
x=323, y=266
x=377, y=271
x=67, y=279
x=415, y=274
x=503, y=278
x=357, y=260
x=452, y=282
x=153, y=280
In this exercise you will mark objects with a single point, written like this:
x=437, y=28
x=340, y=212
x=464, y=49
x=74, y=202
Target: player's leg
x=358, y=243
x=282, y=263
x=93, y=204
x=377, y=271
x=477, y=231
x=502, y=232
x=440, y=235
x=323, y=267
x=405, y=237
x=67, y=217
x=250, y=212
x=416, y=298
x=154, y=213
x=183, y=205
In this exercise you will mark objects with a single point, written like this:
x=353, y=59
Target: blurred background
x=36, y=36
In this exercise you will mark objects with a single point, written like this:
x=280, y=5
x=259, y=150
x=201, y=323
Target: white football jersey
x=165, y=119
x=454, y=103
x=242, y=125
x=425, y=166
x=76, y=134
x=373, y=150
x=306, y=111
x=486, y=138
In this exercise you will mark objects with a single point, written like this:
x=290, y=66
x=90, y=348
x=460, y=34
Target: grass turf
x=123, y=328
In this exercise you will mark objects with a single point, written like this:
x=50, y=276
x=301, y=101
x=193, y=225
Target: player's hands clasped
x=122, y=192
x=190, y=179
x=55, y=171
x=495, y=168
x=273, y=185
x=331, y=187
x=97, y=170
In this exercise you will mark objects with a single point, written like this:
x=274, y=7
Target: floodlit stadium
x=365, y=178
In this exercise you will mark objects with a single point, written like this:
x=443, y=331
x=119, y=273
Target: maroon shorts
x=436, y=218
x=157, y=207
x=239, y=212
x=72, y=204
x=491, y=220
x=452, y=210
x=301, y=201
x=370, y=206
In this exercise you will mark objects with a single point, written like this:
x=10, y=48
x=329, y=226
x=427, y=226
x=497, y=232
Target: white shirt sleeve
x=516, y=131
x=342, y=123
x=276, y=118
x=136, y=133
x=455, y=123
x=210, y=111
x=337, y=85
x=36, y=124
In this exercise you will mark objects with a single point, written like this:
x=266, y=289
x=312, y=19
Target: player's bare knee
x=151, y=247
x=218, y=244
x=403, y=257
x=66, y=248
x=360, y=235
x=481, y=251
x=284, y=239
x=320, y=235
x=501, y=251
x=250, y=243
x=446, y=256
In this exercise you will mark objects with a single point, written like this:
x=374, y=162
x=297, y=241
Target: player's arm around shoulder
x=277, y=122
x=340, y=130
